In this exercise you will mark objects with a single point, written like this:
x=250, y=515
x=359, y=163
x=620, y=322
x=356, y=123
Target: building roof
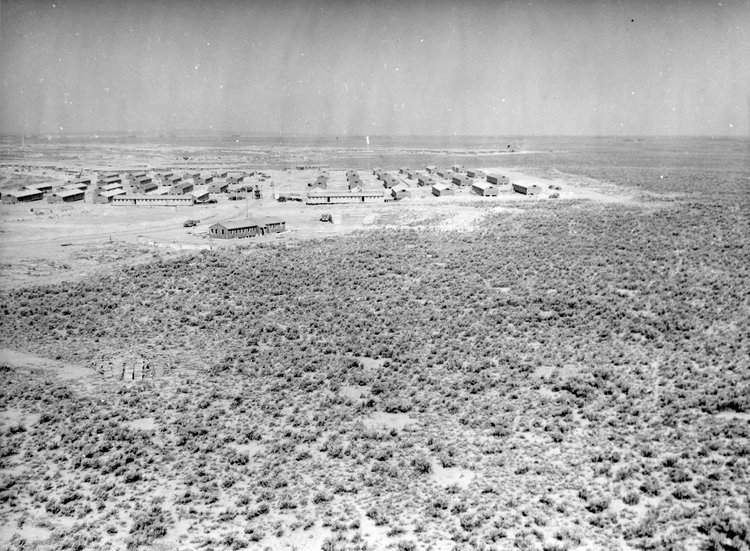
x=145, y=196
x=441, y=187
x=328, y=193
x=22, y=192
x=37, y=187
x=68, y=192
x=483, y=185
x=112, y=192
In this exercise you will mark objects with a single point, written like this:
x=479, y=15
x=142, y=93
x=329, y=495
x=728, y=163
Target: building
x=21, y=196
x=342, y=197
x=273, y=225
x=527, y=190
x=163, y=176
x=137, y=175
x=45, y=187
x=218, y=187
x=181, y=188
x=235, y=229
x=458, y=168
x=66, y=196
x=484, y=189
x=221, y=174
x=376, y=170
x=141, y=180
x=103, y=197
x=107, y=180
x=389, y=180
x=153, y=200
x=235, y=179
x=110, y=187
x=83, y=181
x=193, y=175
x=145, y=186
x=431, y=169
x=352, y=176
x=200, y=195
x=403, y=170
x=401, y=191
x=203, y=180
x=474, y=173
x=323, y=179
x=172, y=179
x=413, y=174
x=439, y=190
x=497, y=179
x=461, y=180
x=74, y=185
x=426, y=180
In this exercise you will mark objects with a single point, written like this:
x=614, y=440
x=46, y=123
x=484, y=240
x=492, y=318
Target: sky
x=376, y=67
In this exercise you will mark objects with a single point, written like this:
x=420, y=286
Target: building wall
x=154, y=201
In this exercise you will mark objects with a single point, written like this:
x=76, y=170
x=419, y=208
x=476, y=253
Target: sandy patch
x=388, y=420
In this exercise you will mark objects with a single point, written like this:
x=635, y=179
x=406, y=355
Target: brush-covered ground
x=566, y=376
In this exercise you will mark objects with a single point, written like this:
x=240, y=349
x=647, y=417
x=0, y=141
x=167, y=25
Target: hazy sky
x=355, y=67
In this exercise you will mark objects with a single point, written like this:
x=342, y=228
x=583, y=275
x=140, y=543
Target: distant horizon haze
x=416, y=68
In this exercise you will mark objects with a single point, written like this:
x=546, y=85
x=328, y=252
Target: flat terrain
x=434, y=373
x=43, y=243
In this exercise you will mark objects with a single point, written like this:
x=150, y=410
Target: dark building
x=246, y=228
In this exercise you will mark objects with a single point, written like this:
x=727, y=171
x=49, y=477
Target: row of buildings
x=135, y=187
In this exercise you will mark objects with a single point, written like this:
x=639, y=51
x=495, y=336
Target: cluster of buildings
x=441, y=182
x=130, y=187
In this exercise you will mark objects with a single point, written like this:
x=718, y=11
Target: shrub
x=147, y=527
